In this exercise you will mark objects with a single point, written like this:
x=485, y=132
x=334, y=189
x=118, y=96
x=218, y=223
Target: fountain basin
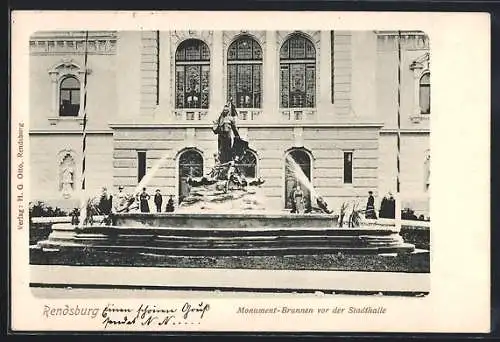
x=226, y=220
x=204, y=234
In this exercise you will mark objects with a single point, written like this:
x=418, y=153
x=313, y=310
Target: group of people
x=121, y=201
x=387, y=207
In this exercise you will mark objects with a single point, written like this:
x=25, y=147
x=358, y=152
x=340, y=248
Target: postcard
x=250, y=171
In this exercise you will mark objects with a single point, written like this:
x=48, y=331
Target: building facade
x=328, y=99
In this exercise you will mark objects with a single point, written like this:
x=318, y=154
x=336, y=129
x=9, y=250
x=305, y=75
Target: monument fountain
x=225, y=214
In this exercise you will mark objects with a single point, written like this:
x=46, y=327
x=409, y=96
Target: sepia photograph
x=271, y=167
x=231, y=149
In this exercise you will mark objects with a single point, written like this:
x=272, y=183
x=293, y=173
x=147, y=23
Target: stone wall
x=325, y=144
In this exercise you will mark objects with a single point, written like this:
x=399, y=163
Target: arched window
x=425, y=93
x=298, y=73
x=244, y=64
x=248, y=165
x=69, y=96
x=297, y=171
x=190, y=165
x=192, y=71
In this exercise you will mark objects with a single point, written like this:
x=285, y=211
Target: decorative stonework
x=314, y=36
x=421, y=63
x=178, y=37
x=67, y=173
x=230, y=36
x=54, y=43
x=410, y=40
x=194, y=114
x=66, y=67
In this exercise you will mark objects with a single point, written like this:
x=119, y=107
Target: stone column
x=324, y=100
x=216, y=69
x=417, y=73
x=166, y=93
x=55, y=94
x=270, y=98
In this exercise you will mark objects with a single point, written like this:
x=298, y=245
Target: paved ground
x=125, y=279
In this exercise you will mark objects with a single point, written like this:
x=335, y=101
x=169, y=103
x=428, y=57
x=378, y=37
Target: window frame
x=420, y=86
x=238, y=63
x=71, y=90
x=344, y=170
x=203, y=65
x=286, y=66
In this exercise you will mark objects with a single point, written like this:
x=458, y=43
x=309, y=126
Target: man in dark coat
x=383, y=208
x=370, y=207
x=391, y=206
x=105, y=202
x=158, y=200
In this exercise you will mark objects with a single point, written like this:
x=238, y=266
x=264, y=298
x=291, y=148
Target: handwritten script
x=152, y=315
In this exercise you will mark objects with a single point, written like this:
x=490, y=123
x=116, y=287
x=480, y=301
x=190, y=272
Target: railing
x=298, y=114
x=194, y=114
x=248, y=114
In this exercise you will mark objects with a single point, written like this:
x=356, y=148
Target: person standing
x=383, y=208
x=391, y=206
x=158, y=200
x=105, y=202
x=144, y=198
x=170, y=205
x=120, y=201
x=298, y=198
x=370, y=207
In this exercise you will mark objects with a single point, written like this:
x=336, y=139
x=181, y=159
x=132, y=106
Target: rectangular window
x=332, y=51
x=141, y=165
x=157, y=68
x=347, y=167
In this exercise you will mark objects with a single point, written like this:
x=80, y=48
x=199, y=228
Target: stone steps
x=226, y=241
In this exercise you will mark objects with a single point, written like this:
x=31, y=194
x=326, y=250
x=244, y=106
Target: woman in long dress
x=298, y=198
x=144, y=198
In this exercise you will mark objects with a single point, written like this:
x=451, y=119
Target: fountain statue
x=226, y=213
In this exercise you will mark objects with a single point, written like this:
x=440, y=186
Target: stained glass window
x=425, y=94
x=69, y=97
x=298, y=73
x=192, y=72
x=244, y=59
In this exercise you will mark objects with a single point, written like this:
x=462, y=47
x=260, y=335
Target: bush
x=40, y=209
